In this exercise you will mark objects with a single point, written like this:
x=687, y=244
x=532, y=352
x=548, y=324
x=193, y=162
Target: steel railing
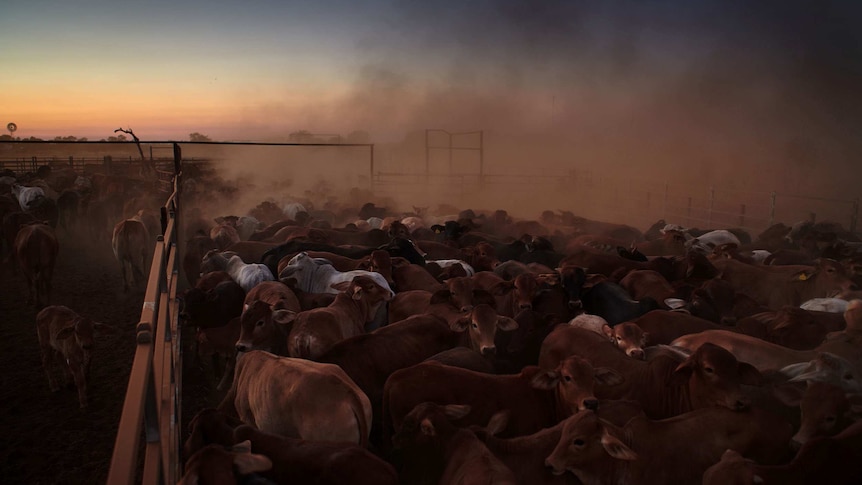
x=152, y=403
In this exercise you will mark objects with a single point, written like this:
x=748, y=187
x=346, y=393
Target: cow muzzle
x=243, y=346
x=486, y=351
x=591, y=404
x=551, y=463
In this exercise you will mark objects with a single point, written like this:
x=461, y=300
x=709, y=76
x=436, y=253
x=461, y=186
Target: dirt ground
x=46, y=437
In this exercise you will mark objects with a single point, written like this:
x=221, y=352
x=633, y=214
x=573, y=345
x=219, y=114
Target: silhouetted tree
x=198, y=137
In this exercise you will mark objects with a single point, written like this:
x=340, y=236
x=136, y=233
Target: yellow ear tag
x=802, y=277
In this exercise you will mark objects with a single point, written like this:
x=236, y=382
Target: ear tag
x=802, y=277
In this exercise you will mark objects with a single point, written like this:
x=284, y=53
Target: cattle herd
x=358, y=344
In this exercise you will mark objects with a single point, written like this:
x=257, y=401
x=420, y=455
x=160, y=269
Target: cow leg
x=125, y=276
x=81, y=383
x=48, y=364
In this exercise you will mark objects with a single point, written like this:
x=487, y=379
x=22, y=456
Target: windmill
x=12, y=127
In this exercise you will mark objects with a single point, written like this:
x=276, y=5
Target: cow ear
x=481, y=296
x=802, y=275
x=497, y=423
x=461, y=324
x=65, y=333
x=608, y=377
x=456, y=411
x=617, y=448
x=283, y=317
x=340, y=286
x=247, y=462
x=546, y=381
x=501, y=288
x=440, y=296
x=749, y=374
x=506, y=324
x=608, y=331
x=681, y=374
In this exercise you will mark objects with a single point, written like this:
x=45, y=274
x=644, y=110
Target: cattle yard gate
x=152, y=404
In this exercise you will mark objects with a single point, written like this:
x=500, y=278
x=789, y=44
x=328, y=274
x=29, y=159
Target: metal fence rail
x=153, y=395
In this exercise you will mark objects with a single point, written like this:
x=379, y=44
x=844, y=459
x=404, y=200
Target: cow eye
x=619, y=339
x=709, y=370
x=259, y=323
x=474, y=326
x=578, y=442
x=567, y=378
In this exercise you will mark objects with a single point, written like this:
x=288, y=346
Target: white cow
x=711, y=240
x=831, y=305
x=317, y=275
x=445, y=263
x=246, y=275
x=27, y=196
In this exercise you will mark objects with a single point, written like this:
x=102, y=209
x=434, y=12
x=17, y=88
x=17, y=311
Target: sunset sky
x=261, y=69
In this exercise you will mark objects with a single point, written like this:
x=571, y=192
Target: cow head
x=214, y=260
x=714, y=377
x=733, y=468
x=462, y=294
x=481, y=324
x=826, y=411
x=381, y=262
x=795, y=328
x=216, y=465
x=827, y=278
x=523, y=289
x=262, y=328
x=714, y=301
x=77, y=341
x=585, y=442
x=572, y=279
x=828, y=368
x=574, y=380
x=628, y=337
x=398, y=229
x=424, y=425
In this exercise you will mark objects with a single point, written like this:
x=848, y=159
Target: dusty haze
x=750, y=96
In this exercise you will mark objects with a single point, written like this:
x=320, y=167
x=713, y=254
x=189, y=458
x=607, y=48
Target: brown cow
x=298, y=398
x=671, y=451
x=832, y=460
x=273, y=292
x=429, y=435
x=628, y=337
x=459, y=296
x=36, y=248
x=826, y=411
x=512, y=296
x=313, y=332
x=525, y=455
x=131, y=244
x=666, y=385
x=224, y=235
x=214, y=464
x=664, y=326
x=777, y=286
x=536, y=398
x=293, y=460
x=790, y=327
x=66, y=337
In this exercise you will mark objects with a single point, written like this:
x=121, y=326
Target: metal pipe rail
x=153, y=395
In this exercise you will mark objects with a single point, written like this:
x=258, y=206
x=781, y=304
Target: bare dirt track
x=46, y=437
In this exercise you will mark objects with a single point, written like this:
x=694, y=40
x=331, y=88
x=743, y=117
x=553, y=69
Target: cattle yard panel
x=153, y=394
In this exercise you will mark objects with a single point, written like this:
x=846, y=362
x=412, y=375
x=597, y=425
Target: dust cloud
x=612, y=96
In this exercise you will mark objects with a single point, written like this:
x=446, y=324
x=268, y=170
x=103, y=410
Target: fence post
x=742, y=215
x=71, y=162
x=772, y=209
